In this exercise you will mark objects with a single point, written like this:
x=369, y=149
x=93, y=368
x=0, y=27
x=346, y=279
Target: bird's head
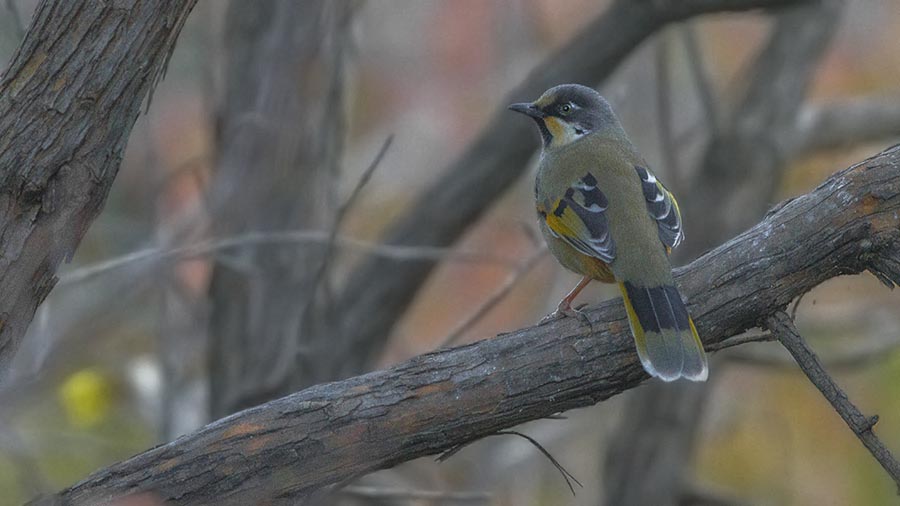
x=569, y=112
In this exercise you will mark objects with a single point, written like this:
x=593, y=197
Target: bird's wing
x=662, y=207
x=579, y=218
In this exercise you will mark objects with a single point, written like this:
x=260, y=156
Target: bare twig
x=739, y=340
x=849, y=361
x=400, y=494
x=499, y=294
x=297, y=237
x=559, y=467
x=363, y=180
x=781, y=325
x=338, y=223
x=875, y=347
x=796, y=306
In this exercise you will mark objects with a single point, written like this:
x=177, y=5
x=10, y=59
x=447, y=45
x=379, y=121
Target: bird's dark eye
x=565, y=109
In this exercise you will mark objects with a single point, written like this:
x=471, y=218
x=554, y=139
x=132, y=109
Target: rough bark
x=379, y=291
x=67, y=104
x=298, y=446
x=280, y=137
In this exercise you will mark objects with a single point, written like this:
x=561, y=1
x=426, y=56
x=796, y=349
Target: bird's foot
x=567, y=311
x=555, y=315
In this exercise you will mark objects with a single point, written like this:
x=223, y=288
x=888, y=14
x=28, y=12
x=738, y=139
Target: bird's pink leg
x=564, y=308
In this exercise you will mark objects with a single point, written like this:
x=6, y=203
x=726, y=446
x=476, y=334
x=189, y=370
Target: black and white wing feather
x=579, y=218
x=662, y=207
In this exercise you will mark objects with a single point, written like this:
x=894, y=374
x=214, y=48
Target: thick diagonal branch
x=305, y=443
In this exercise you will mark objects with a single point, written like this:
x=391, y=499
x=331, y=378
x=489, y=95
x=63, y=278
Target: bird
x=605, y=216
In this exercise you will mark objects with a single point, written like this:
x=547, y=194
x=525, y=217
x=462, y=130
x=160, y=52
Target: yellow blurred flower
x=86, y=396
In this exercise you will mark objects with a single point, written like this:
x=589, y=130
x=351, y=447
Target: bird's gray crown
x=569, y=112
x=591, y=109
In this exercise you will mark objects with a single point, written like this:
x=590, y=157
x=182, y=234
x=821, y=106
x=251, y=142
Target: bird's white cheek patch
x=563, y=133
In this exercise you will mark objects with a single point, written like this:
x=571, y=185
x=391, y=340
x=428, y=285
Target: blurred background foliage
x=88, y=386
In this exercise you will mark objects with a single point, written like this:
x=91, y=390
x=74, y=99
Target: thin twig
x=299, y=237
x=341, y=214
x=739, y=340
x=796, y=306
x=781, y=325
x=559, y=467
x=502, y=291
x=853, y=360
x=401, y=494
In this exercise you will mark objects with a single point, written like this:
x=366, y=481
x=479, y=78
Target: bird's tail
x=664, y=333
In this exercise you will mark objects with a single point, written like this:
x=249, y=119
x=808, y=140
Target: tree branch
x=748, y=153
x=303, y=238
x=495, y=298
x=782, y=326
x=299, y=446
x=67, y=104
x=846, y=122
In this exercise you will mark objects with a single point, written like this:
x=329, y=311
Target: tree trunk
x=279, y=135
x=67, y=104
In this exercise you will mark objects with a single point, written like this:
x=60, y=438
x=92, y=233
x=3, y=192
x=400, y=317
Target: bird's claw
x=570, y=312
x=555, y=315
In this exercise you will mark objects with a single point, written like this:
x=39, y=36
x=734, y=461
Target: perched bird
x=605, y=216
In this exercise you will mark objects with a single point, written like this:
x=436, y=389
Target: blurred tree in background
x=264, y=234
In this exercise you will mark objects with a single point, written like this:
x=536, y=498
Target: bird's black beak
x=527, y=109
